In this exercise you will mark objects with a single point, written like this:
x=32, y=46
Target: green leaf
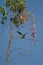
x=8, y=3
x=4, y=17
x=2, y=22
x=2, y=10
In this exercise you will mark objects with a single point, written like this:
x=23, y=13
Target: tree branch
x=9, y=45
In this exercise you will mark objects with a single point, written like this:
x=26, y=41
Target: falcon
x=22, y=35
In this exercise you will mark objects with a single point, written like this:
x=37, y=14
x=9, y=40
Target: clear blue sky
x=37, y=50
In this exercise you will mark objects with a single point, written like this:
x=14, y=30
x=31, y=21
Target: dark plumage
x=22, y=35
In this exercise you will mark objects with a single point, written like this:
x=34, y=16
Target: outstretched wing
x=20, y=33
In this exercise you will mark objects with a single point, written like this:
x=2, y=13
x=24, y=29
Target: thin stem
x=9, y=45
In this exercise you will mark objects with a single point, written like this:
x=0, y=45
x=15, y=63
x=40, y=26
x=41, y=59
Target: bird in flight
x=22, y=35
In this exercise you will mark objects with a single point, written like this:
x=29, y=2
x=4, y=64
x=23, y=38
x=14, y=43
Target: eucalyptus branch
x=17, y=16
x=9, y=45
